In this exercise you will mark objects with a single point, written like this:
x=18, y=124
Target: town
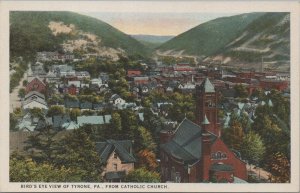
x=149, y=121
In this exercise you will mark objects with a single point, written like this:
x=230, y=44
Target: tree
x=74, y=113
x=79, y=153
x=241, y=91
x=13, y=121
x=233, y=135
x=55, y=100
x=21, y=93
x=55, y=110
x=43, y=145
x=25, y=82
x=252, y=148
x=142, y=175
x=116, y=124
x=27, y=170
x=147, y=159
x=280, y=168
x=144, y=139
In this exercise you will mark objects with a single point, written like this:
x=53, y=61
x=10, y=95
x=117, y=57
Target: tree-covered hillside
x=29, y=33
x=209, y=37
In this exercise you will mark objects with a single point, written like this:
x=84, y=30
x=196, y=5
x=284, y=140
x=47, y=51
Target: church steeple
x=205, y=121
x=206, y=107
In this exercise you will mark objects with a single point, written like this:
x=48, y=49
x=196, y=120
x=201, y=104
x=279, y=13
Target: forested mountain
x=241, y=38
x=32, y=31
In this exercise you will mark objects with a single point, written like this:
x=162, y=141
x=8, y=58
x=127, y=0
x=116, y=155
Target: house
x=65, y=70
x=36, y=103
x=131, y=73
x=36, y=85
x=116, y=100
x=74, y=82
x=59, y=120
x=96, y=81
x=83, y=74
x=104, y=77
x=71, y=103
x=140, y=80
x=99, y=106
x=27, y=123
x=34, y=100
x=33, y=95
x=268, y=84
x=86, y=105
x=144, y=89
x=117, y=157
x=92, y=120
x=194, y=152
x=72, y=89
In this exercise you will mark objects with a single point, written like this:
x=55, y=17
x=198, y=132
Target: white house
x=36, y=103
x=97, y=81
x=117, y=100
x=74, y=82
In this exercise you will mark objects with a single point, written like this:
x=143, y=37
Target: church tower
x=206, y=107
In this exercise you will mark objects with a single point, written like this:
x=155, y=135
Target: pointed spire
x=207, y=86
x=270, y=103
x=205, y=121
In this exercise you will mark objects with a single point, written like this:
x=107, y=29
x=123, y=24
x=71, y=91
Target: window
x=115, y=156
x=219, y=155
x=224, y=156
x=173, y=174
x=177, y=177
x=115, y=166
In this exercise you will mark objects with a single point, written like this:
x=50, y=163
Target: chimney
x=206, y=151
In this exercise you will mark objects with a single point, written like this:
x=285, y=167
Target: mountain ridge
x=28, y=25
x=244, y=41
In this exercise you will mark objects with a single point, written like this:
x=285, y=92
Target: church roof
x=186, y=145
x=207, y=86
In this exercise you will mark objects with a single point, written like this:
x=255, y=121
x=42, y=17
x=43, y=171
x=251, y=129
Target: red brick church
x=194, y=152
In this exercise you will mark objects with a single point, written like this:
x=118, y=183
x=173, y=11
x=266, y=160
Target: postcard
x=149, y=96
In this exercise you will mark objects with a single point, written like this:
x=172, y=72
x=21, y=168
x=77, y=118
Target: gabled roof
x=207, y=86
x=114, y=97
x=70, y=125
x=38, y=78
x=31, y=93
x=37, y=99
x=186, y=145
x=122, y=148
x=59, y=120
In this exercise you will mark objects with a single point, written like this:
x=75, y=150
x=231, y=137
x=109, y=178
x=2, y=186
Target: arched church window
x=224, y=156
x=213, y=156
x=219, y=155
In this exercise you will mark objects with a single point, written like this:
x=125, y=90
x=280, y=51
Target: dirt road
x=14, y=100
x=260, y=173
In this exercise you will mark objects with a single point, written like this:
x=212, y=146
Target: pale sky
x=155, y=23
